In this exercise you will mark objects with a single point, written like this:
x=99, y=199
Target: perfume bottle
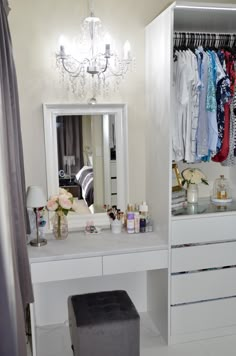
x=222, y=190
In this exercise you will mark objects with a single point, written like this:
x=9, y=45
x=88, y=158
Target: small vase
x=60, y=226
x=192, y=193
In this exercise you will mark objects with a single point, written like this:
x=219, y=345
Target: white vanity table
x=88, y=263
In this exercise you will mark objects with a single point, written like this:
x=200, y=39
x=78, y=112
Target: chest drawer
x=135, y=262
x=193, y=320
x=192, y=287
x=66, y=269
x=206, y=229
x=114, y=186
x=204, y=256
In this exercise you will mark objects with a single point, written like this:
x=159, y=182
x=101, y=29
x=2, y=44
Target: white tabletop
x=80, y=245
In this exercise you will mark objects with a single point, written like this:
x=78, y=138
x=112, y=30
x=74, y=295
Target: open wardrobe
x=191, y=101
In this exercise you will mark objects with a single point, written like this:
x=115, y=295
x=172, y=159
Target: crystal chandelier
x=90, y=63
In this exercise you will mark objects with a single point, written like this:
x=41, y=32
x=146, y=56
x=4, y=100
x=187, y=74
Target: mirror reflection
x=86, y=153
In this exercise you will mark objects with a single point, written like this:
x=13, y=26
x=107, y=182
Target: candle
x=127, y=50
x=107, y=51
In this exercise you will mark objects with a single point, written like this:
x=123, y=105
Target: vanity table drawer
x=199, y=318
x=192, y=287
x=135, y=262
x=66, y=269
x=206, y=229
x=203, y=256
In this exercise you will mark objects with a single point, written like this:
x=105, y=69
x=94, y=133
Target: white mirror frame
x=51, y=111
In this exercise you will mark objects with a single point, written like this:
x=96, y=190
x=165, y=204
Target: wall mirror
x=86, y=153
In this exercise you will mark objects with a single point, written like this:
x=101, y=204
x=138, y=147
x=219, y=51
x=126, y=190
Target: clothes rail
x=195, y=39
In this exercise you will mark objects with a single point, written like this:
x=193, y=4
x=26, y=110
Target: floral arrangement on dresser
x=61, y=204
x=193, y=176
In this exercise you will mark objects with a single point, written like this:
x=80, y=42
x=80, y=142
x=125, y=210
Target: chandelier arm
x=106, y=65
x=119, y=73
x=74, y=73
x=78, y=70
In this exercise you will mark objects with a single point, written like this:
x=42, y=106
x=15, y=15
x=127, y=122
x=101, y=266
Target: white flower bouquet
x=193, y=176
x=62, y=203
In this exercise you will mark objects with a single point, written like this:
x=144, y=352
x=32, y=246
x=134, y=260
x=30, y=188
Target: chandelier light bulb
x=107, y=38
x=127, y=50
x=62, y=41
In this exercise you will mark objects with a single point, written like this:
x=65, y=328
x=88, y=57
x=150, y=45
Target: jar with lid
x=221, y=190
x=143, y=210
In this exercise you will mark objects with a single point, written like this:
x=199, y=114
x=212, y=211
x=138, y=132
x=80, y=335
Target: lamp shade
x=35, y=197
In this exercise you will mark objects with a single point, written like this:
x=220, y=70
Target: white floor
x=55, y=341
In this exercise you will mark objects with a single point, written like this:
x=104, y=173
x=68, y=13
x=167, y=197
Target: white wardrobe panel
x=158, y=159
x=158, y=98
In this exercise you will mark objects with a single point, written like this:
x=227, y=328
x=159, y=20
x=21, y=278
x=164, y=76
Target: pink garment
x=224, y=151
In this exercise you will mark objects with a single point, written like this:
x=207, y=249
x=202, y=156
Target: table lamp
x=36, y=199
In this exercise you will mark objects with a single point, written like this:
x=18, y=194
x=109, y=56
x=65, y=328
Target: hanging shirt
x=224, y=150
x=202, y=131
x=234, y=101
x=181, y=90
x=186, y=83
x=234, y=113
x=230, y=160
x=180, y=99
x=211, y=103
x=222, y=95
x=193, y=108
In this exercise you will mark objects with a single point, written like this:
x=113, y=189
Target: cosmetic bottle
x=136, y=222
x=142, y=225
x=143, y=210
x=130, y=222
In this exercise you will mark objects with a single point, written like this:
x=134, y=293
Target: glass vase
x=60, y=226
x=192, y=193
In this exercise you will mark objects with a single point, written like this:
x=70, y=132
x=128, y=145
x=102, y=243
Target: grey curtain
x=15, y=279
x=70, y=141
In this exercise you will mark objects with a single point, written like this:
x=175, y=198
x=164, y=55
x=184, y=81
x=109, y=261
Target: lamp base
x=38, y=242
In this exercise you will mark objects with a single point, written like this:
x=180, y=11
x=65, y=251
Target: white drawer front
x=66, y=269
x=191, y=287
x=204, y=256
x=197, y=317
x=135, y=262
x=206, y=229
x=113, y=186
x=113, y=169
x=113, y=199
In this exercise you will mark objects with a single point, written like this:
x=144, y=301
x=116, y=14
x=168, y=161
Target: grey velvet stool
x=104, y=324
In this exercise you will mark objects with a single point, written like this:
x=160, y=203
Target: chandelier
x=90, y=63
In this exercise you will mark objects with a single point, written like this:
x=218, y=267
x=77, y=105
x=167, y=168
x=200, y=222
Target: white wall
x=35, y=27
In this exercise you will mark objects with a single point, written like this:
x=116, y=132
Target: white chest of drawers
x=202, y=275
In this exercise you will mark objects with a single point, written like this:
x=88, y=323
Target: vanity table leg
x=33, y=329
